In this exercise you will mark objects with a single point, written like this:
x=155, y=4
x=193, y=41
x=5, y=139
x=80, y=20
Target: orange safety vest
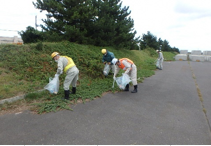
x=122, y=66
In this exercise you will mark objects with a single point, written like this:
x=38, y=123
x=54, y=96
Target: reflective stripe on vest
x=70, y=63
x=122, y=66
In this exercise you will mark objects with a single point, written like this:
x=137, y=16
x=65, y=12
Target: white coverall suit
x=130, y=69
x=160, y=58
x=72, y=72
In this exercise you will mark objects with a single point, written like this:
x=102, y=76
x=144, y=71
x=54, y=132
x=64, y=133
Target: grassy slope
x=27, y=68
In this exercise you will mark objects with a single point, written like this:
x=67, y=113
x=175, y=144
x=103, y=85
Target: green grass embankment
x=27, y=68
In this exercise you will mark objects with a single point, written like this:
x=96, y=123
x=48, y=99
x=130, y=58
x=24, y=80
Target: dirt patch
x=15, y=110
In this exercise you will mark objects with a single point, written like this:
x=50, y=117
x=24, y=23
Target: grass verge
x=27, y=68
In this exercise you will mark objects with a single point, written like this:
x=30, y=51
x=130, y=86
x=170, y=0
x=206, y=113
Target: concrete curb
x=12, y=99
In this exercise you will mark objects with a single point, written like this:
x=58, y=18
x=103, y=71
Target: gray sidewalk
x=166, y=110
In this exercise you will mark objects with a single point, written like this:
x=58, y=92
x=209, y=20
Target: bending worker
x=160, y=59
x=66, y=64
x=107, y=58
x=130, y=68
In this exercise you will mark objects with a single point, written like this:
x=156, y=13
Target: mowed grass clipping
x=27, y=68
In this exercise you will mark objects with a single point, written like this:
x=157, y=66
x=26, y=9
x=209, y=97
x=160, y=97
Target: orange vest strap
x=122, y=66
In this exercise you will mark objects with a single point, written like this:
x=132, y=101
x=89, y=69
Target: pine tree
x=166, y=46
x=149, y=40
x=103, y=29
x=113, y=26
x=69, y=18
x=125, y=34
x=96, y=22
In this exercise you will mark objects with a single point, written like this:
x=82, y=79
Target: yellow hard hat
x=103, y=51
x=54, y=54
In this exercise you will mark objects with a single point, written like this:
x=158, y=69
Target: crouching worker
x=66, y=64
x=107, y=58
x=130, y=68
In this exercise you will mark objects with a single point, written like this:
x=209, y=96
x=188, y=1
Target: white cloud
x=16, y=15
x=185, y=24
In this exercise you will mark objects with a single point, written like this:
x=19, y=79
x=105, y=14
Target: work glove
x=56, y=75
x=114, y=78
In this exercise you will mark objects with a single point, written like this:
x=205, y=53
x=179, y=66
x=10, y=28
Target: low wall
x=206, y=52
x=183, y=51
x=196, y=52
x=10, y=40
x=198, y=58
x=181, y=57
x=195, y=55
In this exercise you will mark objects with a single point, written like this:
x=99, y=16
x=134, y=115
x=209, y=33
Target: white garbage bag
x=123, y=81
x=106, y=69
x=53, y=85
x=157, y=63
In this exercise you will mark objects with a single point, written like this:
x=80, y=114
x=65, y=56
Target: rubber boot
x=127, y=87
x=73, y=90
x=135, y=89
x=66, y=94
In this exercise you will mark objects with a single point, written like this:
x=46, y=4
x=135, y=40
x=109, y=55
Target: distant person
x=160, y=59
x=130, y=68
x=107, y=60
x=67, y=65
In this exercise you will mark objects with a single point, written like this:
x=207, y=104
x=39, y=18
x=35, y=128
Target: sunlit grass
x=169, y=56
x=10, y=86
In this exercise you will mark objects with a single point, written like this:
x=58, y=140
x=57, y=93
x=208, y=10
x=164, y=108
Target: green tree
x=96, y=22
x=175, y=49
x=125, y=33
x=113, y=26
x=166, y=46
x=31, y=35
x=160, y=41
x=67, y=18
x=102, y=29
x=149, y=40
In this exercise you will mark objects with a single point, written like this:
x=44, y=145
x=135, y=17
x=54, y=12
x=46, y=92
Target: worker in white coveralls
x=160, y=59
x=130, y=68
x=67, y=65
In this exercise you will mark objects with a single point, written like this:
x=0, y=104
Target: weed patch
x=53, y=104
x=27, y=68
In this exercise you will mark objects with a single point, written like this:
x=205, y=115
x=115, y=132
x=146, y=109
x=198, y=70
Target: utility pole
x=139, y=46
x=36, y=22
x=160, y=47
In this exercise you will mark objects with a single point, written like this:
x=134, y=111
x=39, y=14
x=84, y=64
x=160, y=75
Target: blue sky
x=185, y=24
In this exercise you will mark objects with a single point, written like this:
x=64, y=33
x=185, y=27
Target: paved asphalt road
x=166, y=110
